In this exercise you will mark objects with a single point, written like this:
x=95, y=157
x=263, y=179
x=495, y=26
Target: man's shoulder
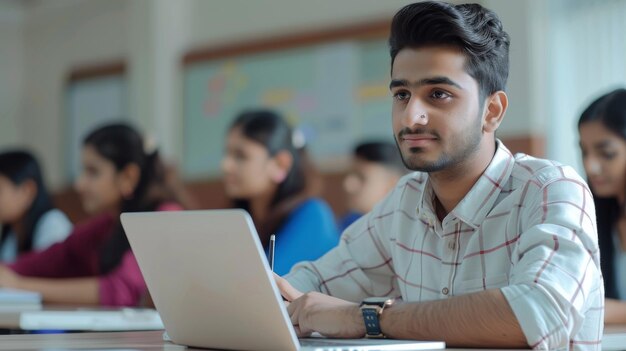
x=541, y=171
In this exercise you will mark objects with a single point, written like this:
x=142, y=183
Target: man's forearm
x=474, y=320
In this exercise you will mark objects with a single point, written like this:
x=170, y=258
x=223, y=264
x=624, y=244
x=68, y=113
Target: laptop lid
x=212, y=285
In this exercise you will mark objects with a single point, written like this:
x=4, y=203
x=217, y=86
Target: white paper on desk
x=94, y=320
x=19, y=300
x=10, y=296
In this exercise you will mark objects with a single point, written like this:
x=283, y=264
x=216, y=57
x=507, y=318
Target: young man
x=484, y=248
x=376, y=168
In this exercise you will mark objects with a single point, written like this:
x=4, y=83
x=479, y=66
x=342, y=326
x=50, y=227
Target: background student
x=602, y=128
x=95, y=265
x=375, y=170
x=267, y=172
x=29, y=220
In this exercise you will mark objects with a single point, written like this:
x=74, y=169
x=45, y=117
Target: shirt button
x=451, y=245
x=445, y=291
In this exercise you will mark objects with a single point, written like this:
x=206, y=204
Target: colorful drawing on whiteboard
x=223, y=89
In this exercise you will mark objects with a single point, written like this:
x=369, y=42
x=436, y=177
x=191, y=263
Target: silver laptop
x=211, y=283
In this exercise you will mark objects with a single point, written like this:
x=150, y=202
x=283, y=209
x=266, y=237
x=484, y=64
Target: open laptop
x=212, y=285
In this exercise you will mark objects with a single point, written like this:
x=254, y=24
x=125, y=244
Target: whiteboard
x=336, y=93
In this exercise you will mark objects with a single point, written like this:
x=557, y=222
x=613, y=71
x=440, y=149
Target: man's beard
x=461, y=148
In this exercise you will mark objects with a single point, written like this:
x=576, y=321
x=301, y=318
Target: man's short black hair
x=474, y=30
x=382, y=152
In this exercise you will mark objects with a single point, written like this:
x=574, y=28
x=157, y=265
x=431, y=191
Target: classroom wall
x=238, y=20
x=11, y=54
x=59, y=35
x=521, y=20
x=152, y=36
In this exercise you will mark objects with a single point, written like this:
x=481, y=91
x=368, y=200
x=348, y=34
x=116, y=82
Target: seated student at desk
x=95, y=265
x=267, y=172
x=485, y=249
x=602, y=128
x=375, y=170
x=29, y=220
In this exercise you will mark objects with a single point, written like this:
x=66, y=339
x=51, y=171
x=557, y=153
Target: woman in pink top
x=95, y=265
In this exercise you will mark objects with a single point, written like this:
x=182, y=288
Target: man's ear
x=127, y=180
x=282, y=163
x=495, y=108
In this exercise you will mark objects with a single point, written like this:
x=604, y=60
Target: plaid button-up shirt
x=527, y=227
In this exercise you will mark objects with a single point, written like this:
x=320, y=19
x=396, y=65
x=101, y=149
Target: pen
x=271, y=253
x=271, y=256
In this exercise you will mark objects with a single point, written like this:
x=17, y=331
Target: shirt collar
x=477, y=203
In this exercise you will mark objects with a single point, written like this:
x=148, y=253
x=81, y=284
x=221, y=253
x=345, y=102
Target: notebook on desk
x=19, y=300
x=125, y=319
x=211, y=283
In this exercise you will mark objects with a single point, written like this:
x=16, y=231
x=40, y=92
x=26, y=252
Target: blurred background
x=180, y=70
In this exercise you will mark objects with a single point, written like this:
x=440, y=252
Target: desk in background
x=79, y=319
x=614, y=337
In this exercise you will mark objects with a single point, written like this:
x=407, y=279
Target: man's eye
x=438, y=94
x=401, y=96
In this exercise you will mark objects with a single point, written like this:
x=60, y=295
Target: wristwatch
x=372, y=308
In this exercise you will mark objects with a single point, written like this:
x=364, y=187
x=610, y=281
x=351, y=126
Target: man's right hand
x=286, y=290
x=317, y=312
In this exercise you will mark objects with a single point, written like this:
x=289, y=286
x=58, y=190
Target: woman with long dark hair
x=267, y=172
x=602, y=128
x=29, y=219
x=95, y=264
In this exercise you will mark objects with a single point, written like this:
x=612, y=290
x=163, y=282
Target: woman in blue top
x=29, y=220
x=267, y=172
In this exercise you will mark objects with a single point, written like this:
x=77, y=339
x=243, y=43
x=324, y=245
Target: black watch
x=372, y=308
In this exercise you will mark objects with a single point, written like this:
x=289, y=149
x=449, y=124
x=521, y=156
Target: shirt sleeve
x=53, y=227
x=556, y=277
x=307, y=235
x=124, y=286
x=361, y=265
x=73, y=257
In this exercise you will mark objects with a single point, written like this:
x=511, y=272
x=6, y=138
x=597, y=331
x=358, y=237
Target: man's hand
x=316, y=312
x=289, y=292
